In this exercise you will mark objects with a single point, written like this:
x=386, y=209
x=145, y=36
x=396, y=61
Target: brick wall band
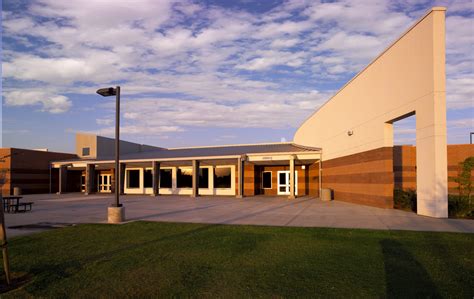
x=364, y=178
x=404, y=168
x=308, y=179
x=370, y=177
x=29, y=170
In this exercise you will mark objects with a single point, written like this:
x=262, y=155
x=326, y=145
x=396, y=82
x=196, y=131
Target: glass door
x=105, y=183
x=83, y=183
x=284, y=182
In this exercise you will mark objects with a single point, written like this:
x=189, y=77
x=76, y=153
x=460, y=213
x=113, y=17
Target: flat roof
x=210, y=151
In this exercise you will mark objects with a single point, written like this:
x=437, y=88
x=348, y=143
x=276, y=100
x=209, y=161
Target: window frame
x=128, y=179
x=144, y=177
x=171, y=178
x=214, y=178
x=88, y=151
x=271, y=179
x=201, y=170
x=178, y=170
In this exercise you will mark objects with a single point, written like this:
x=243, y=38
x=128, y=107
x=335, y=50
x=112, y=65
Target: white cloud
x=137, y=129
x=270, y=58
x=284, y=43
x=179, y=60
x=104, y=121
x=164, y=115
x=48, y=102
x=462, y=123
x=460, y=92
x=54, y=70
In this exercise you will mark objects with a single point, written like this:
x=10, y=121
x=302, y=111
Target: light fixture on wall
x=350, y=133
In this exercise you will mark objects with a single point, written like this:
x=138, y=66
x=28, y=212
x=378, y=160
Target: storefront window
x=166, y=178
x=222, y=177
x=204, y=178
x=267, y=180
x=148, y=179
x=133, y=178
x=185, y=178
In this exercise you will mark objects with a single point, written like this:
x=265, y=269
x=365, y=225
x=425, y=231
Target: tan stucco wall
x=106, y=147
x=86, y=140
x=407, y=78
x=102, y=147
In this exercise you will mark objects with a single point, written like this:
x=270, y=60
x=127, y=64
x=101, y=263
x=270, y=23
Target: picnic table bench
x=12, y=204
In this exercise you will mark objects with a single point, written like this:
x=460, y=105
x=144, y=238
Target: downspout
x=320, y=174
x=50, y=181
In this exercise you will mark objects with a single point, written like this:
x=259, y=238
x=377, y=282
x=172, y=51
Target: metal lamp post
x=116, y=212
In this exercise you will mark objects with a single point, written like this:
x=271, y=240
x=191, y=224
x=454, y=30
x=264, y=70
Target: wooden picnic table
x=13, y=204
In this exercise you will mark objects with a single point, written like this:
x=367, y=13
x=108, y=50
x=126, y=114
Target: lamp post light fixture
x=116, y=212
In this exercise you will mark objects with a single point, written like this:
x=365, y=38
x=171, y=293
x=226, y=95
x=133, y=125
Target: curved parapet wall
x=407, y=78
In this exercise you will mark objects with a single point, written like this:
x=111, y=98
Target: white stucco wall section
x=408, y=77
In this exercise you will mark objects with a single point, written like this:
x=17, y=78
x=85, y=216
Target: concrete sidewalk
x=258, y=210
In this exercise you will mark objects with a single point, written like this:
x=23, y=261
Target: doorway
x=105, y=183
x=83, y=183
x=284, y=182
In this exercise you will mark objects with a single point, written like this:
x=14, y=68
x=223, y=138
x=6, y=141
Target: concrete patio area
x=275, y=211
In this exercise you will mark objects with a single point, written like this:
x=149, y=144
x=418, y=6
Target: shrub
x=464, y=177
x=459, y=206
x=404, y=199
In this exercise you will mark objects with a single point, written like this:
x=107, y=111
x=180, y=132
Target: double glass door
x=105, y=183
x=284, y=182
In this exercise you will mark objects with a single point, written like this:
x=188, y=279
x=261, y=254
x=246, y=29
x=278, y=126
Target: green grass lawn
x=149, y=259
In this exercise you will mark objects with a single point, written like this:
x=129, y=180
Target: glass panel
x=133, y=178
x=222, y=177
x=204, y=178
x=267, y=180
x=86, y=151
x=185, y=178
x=106, y=179
x=282, y=188
x=282, y=178
x=165, y=178
x=100, y=180
x=148, y=179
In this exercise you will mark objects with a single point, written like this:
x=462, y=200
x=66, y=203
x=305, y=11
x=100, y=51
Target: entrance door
x=105, y=183
x=284, y=182
x=83, y=183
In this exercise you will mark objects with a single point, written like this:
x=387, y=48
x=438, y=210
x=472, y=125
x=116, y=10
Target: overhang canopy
x=257, y=153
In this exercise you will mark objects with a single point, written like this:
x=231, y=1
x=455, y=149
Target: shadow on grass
x=405, y=276
x=174, y=212
x=47, y=274
x=17, y=281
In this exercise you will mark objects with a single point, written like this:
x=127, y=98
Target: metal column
x=195, y=178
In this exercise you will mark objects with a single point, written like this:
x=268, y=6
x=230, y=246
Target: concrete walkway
x=304, y=211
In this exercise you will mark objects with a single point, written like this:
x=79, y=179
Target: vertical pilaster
x=122, y=178
x=62, y=179
x=90, y=178
x=431, y=135
x=195, y=178
x=292, y=178
x=240, y=180
x=156, y=178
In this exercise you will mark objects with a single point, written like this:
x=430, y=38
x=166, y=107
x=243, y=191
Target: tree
x=3, y=235
x=464, y=177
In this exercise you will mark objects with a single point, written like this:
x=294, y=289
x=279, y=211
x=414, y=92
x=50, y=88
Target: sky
x=204, y=72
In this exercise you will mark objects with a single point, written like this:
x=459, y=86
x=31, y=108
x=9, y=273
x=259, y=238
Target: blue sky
x=204, y=72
